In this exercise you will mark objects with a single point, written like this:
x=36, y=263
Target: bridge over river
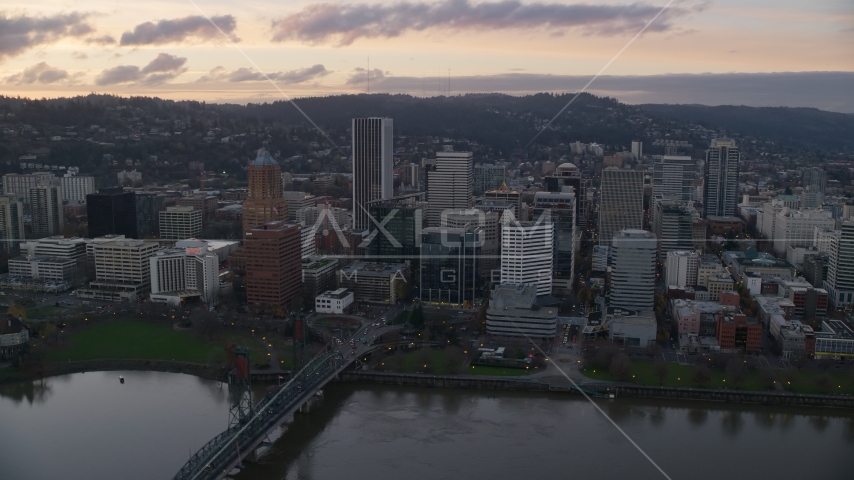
x=252, y=422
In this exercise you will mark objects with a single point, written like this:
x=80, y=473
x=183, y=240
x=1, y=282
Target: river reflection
x=384, y=432
x=89, y=426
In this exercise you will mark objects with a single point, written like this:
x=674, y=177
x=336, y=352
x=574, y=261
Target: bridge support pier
x=251, y=457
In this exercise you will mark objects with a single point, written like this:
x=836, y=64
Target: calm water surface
x=88, y=426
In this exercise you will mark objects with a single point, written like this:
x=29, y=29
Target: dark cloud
x=300, y=75
x=164, y=63
x=38, y=73
x=17, y=34
x=331, y=22
x=178, y=30
x=162, y=69
x=120, y=74
x=103, y=40
x=824, y=90
x=359, y=76
x=79, y=55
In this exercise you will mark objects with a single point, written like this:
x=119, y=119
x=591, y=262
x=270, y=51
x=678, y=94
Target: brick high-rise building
x=273, y=265
x=264, y=202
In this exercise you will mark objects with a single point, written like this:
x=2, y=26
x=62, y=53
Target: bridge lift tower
x=240, y=388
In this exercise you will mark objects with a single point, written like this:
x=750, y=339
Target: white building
x=334, y=301
x=373, y=152
x=179, y=223
x=450, y=185
x=20, y=184
x=43, y=268
x=633, y=270
x=131, y=176
x=526, y=254
x=183, y=273
x=681, y=269
x=823, y=239
x=122, y=270
x=637, y=150
x=797, y=228
x=75, y=189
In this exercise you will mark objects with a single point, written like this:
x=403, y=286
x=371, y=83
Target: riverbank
x=603, y=389
x=53, y=369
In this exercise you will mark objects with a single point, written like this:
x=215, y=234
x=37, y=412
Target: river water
x=89, y=426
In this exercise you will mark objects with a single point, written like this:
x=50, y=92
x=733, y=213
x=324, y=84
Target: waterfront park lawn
x=644, y=373
x=124, y=339
x=438, y=361
x=493, y=371
x=796, y=381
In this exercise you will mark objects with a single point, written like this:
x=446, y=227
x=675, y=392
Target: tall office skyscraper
x=148, y=207
x=673, y=177
x=111, y=211
x=559, y=208
x=637, y=149
x=450, y=185
x=621, y=202
x=721, y=188
x=526, y=254
x=487, y=177
x=814, y=181
x=273, y=273
x=46, y=211
x=373, y=158
x=264, y=203
x=568, y=175
x=11, y=221
x=840, y=271
x=674, y=226
x=633, y=270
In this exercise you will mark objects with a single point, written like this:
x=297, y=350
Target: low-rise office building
x=375, y=282
x=334, y=301
x=513, y=311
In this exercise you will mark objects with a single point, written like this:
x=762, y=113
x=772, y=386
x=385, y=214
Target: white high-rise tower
x=373, y=157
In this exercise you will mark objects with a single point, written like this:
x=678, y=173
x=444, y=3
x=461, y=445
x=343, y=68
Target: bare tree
x=702, y=375
x=661, y=369
x=621, y=367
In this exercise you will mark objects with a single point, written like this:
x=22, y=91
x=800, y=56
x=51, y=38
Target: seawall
x=602, y=389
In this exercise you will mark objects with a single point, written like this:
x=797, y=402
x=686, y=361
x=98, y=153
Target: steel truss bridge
x=251, y=424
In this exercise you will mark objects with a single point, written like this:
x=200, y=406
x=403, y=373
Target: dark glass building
x=112, y=211
x=450, y=266
x=148, y=207
x=400, y=237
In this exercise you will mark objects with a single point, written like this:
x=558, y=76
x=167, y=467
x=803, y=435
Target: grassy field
x=442, y=361
x=812, y=382
x=489, y=370
x=682, y=376
x=136, y=340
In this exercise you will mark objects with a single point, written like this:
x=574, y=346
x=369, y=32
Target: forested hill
x=806, y=127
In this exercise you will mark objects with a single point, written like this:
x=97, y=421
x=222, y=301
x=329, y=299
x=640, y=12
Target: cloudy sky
x=694, y=51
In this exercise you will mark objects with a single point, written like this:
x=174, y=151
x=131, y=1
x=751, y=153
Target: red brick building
x=738, y=333
x=264, y=202
x=271, y=253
